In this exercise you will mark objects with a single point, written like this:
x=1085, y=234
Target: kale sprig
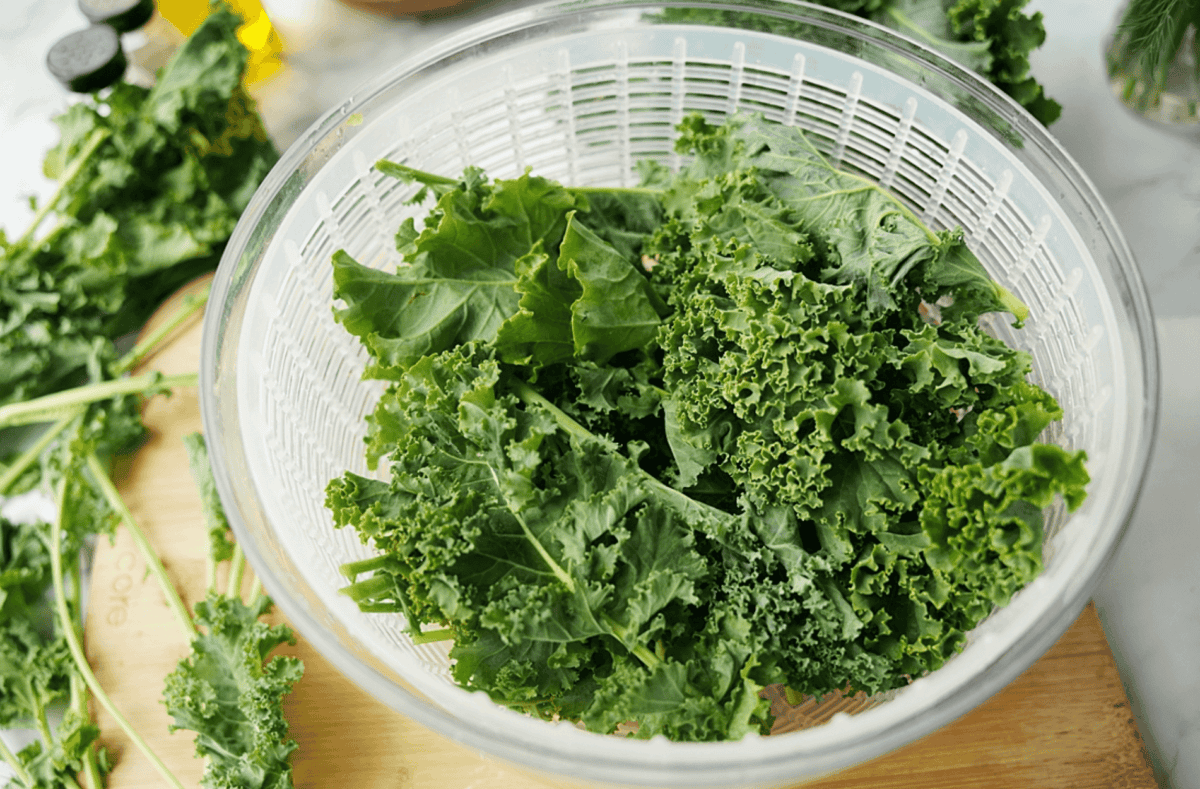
x=226, y=690
x=230, y=689
x=41, y=617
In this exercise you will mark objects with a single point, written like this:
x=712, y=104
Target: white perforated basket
x=579, y=92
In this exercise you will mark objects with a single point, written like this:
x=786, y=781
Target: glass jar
x=1165, y=91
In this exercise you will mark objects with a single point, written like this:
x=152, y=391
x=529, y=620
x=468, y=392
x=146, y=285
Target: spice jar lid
x=87, y=60
x=121, y=15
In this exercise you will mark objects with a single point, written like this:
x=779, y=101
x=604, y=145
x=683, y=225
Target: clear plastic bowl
x=579, y=91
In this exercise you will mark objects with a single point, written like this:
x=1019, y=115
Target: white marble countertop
x=1149, y=601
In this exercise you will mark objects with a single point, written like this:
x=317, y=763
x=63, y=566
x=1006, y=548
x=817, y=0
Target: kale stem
x=429, y=636
x=31, y=454
x=354, y=569
x=554, y=566
x=636, y=190
x=51, y=407
x=148, y=344
x=79, y=700
x=531, y=396
x=59, y=228
x=153, y=563
x=14, y=762
x=210, y=574
x=42, y=722
x=640, y=651
x=367, y=589
x=409, y=174
x=908, y=214
x=68, y=176
x=76, y=649
x=237, y=566
x=79, y=691
x=256, y=589
x=76, y=598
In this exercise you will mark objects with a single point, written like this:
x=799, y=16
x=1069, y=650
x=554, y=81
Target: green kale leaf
x=220, y=543
x=928, y=22
x=459, y=277
x=869, y=238
x=553, y=559
x=228, y=692
x=510, y=261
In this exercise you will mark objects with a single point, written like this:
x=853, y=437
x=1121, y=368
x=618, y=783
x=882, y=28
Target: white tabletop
x=1149, y=600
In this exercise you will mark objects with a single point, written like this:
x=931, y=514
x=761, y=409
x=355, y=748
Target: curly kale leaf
x=991, y=37
x=927, y=22
x=38, y=675
x=58, y=765
x=510, y=261
x=230, y=694
x=1011, y=35
x=590, y=304
x=842, y=425
x=220, y=544
x=562, y=569
x=35, y=672
x=865, y=235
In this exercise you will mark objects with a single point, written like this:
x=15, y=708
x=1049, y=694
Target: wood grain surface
x=1065, y=723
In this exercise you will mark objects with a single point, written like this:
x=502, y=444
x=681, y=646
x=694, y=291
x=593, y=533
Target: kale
x=802, y=475
x=229, y=689
x=150, y=185
x=229, y=693
x=39, y=680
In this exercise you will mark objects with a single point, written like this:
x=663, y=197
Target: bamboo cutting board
x=1065, y=723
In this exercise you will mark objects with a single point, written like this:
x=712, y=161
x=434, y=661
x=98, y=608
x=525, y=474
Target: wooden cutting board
x=1065, y=723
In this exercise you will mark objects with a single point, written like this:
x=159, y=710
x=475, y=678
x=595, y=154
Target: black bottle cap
x=120, y=15
x=87, y=60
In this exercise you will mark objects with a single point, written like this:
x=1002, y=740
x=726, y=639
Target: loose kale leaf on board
x=229, y=692
x=37, y=671
x=220, y=544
